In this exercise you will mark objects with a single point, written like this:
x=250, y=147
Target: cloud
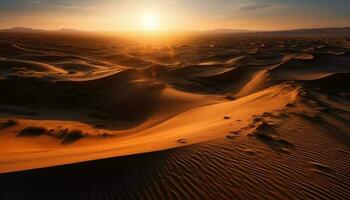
x=63, y=3
x=35, y=1
x=256, y=5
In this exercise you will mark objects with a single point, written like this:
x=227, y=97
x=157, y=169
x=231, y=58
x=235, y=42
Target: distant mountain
x=21, y=30
x=69, y=30
x=230, y=31
x=31, y=30
x=310, y=31
x=313, y=31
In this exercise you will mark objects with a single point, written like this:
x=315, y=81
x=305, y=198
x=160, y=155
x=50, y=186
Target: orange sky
x=117, y=15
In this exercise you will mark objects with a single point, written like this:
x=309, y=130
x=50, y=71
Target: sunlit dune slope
x=203, y=117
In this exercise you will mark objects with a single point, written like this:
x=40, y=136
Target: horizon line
x=174, y=30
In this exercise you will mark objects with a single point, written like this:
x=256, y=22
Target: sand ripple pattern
x=225, y=169
x=303, y=152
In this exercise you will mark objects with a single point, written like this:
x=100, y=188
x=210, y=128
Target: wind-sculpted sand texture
x=202, y=117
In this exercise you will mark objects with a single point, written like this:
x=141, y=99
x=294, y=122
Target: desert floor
x=202, y=117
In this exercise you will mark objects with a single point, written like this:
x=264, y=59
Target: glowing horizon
x=158, y=15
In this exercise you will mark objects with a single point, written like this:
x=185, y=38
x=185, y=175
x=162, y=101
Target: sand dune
x=8, y=66
x=236, y=118
x=309, y=68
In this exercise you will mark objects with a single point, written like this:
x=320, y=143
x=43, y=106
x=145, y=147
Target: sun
x=150, y=21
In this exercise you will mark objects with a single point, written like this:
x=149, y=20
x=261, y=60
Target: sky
x=125, y=15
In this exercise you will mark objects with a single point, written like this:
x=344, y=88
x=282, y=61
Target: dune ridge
x=235, y=117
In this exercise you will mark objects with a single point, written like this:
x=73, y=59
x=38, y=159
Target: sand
x=198, y=118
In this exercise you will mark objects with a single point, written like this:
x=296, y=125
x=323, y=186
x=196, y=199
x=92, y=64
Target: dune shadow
x=65, y=136
x=71, y=136
x=96, y=102
x=124, y=177
x=8, y=124
x=32, y=131
x=268, y=135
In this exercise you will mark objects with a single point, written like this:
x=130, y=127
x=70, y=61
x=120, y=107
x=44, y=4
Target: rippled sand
x=201, y=117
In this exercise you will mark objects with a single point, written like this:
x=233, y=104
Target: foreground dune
x=193, y=126
x=262, y=118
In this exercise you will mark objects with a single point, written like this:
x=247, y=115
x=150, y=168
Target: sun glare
x=150, y=21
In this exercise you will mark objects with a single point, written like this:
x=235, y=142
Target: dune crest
x=236, y=117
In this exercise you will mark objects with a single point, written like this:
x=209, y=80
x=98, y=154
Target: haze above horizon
x=150, y=15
